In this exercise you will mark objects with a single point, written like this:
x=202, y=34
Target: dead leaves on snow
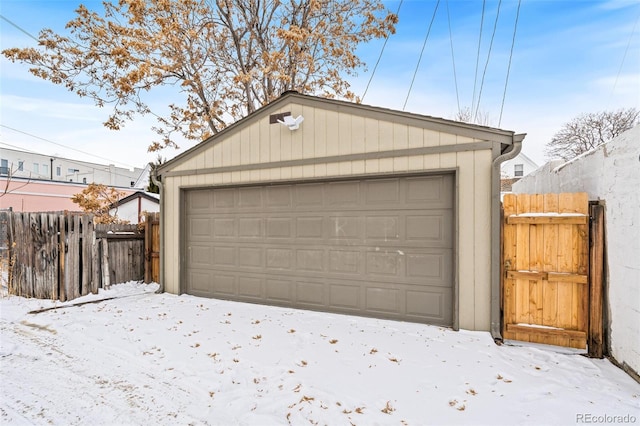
x=388, y=409
x=499, y=377
x=458, y=406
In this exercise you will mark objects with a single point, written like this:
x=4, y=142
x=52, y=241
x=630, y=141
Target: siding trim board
x=345, y=178
x=472, y=146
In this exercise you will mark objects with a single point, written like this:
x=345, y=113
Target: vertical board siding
x=545, y=256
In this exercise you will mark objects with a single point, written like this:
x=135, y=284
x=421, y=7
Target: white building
x=518, y=167
x=31, y=165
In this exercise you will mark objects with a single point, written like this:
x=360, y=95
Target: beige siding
x=327, y=133
x=482, y=237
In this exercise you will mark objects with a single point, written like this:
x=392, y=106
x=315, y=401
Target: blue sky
x=569, y=57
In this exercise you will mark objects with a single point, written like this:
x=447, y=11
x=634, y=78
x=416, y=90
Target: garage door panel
x=345, y=296
x=200, y=228
x=279, y=197
x=311, y=293
x=250, y=287
x=224, y=256
x=373, y=247
x=278, y=258
x=431, y=191
x=433, y=268
x=250, y=227
x=250, y=198
x=225, y=285
x=279, y=290
x=433, y=228
x=279, y=227
x=309, y=195
x=199, y=256
x=310, y=227
x=250, y=257
x=383, y=263
x=344, y=261
x=383, y=191
x=224, y=227
x=310, y=260
x=429, y=305
x=384, y=228
x=200, y=200
x=200, y=282
x=345, y=227
x=382, y=299
x=343, y=194
x=223, y=199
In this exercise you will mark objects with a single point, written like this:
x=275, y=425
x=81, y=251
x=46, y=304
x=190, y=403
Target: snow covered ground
x=160, y=359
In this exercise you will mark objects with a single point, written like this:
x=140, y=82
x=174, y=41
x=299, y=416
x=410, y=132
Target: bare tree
x=590, y=130
x=7, y=183
x=226, y=58
x=465, y=115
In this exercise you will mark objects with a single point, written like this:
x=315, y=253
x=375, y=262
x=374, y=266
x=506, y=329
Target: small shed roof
x=154, y=198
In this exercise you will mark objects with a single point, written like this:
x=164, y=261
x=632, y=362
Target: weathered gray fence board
x=63, y=255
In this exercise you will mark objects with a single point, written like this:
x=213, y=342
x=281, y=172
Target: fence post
x=595, y=340
x=87, y=252
x=106, y=275
x=147, y=247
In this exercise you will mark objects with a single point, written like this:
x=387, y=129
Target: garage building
x=334, y=206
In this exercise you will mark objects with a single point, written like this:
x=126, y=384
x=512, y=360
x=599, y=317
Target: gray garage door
x=373, y=247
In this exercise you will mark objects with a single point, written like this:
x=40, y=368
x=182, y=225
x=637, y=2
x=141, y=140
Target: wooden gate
x=545, y=261
x=152, y=247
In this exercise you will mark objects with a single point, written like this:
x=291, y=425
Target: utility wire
x=453, y=60
x=19, y=28
x=379, y=57
x=66, y=146
x=615, y=83
x=484, y=73
x=421, y=52
x=67, y=160
x=475, y=77
x=506, y=81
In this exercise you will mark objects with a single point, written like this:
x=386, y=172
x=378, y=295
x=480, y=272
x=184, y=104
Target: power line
x=379, y=57
x=67, y=160
x=624, y=57
x=475, y=77
x=65, y=146
x=484, y=73
x=421, y=52
x=455, y=77
x=19, y=28
x=506, y=81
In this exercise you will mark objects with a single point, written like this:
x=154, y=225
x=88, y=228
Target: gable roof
x=154, y=198
x=504, y=137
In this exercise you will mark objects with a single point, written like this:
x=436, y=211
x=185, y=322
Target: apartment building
x=24, y=164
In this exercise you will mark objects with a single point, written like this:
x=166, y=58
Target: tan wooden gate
x=545, y=261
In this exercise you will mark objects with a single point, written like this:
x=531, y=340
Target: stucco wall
x=610, y=173
x=25, y=195
x=331, y=144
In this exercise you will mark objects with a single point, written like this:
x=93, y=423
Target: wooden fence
x=546, y=268
x=65, y=255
